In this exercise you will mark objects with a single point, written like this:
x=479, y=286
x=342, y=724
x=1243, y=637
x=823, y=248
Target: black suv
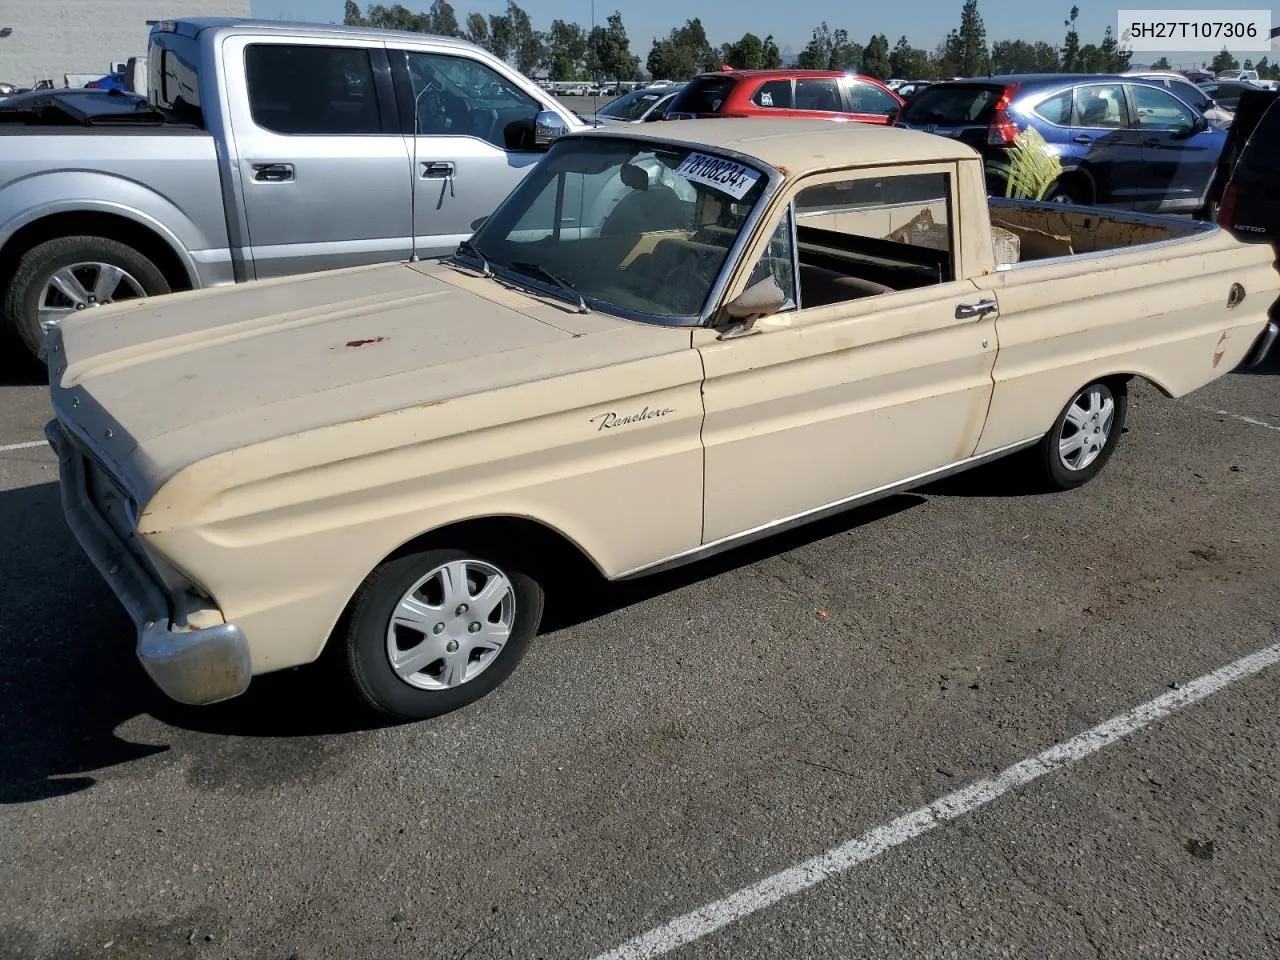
x=1247, y=181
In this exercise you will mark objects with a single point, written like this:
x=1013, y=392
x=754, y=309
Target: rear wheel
x=62, y=277
x=1066, y=191
x=1084, y=436
x=434, y=631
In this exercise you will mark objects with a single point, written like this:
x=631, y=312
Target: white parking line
x=24, y=446
x=1235, y=416
x=771, y=890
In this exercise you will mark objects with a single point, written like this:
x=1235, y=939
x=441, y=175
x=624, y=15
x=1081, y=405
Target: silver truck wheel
x=451, y=625
x=433, y=631
x=1084, y=436
x=59, y=278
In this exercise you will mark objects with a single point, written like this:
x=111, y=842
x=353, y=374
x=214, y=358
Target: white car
x=1188, y=93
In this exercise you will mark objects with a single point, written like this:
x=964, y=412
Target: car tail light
x=1002, y=131
x=1227, y=207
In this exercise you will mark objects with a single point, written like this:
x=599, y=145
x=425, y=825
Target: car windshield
x=631, y=106
x=639, y=228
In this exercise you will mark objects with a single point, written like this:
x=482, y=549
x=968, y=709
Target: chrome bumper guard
x=189, y=666
x=1258, y=352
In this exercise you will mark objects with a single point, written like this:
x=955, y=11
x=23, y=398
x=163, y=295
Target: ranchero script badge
x=607, y=421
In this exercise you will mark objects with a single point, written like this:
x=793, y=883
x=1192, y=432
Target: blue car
x=1111, y=140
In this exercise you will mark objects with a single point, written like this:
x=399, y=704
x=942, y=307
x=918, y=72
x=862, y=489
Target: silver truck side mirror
x=548, y=126
x=762, y=299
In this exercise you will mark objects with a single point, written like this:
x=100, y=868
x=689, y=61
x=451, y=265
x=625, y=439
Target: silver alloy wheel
x=451, y=625
x=1087, y=427
x=84, y=285
x=1060, y=198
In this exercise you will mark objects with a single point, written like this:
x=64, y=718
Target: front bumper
x=1262, y=346
x=190, y=666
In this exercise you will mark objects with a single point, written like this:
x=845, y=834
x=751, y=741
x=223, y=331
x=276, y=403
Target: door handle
x=967, y=310
x=273, y=172
x=1082, y=138
x=435, y=169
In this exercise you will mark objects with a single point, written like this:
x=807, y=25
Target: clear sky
x=924, y=22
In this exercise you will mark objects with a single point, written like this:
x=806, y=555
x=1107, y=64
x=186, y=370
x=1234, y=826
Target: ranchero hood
x=161, y=384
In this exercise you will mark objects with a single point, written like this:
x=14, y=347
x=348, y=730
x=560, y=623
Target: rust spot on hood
x=361, y=343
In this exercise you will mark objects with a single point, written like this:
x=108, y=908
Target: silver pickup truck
x=263, y=149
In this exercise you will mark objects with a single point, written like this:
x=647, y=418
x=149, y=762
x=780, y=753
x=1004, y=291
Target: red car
x=825, y=94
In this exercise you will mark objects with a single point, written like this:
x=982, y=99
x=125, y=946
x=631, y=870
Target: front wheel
x=434, y=631
x=1064, y=192
x=1084, y=436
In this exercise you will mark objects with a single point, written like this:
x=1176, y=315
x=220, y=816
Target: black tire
x=1051, y=470
x=365, y=634
x=38, y=265
x=1066, y=191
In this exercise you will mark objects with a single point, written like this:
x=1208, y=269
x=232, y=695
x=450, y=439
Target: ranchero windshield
x=641, y=227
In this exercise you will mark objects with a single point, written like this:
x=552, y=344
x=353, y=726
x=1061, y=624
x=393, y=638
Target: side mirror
x=478, y=222
x=761, y=299
x=548, y=126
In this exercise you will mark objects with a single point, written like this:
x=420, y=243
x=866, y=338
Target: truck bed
x=1028, y=231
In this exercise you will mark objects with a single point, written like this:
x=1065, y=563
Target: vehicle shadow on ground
x=18, y=368
x=70, y=680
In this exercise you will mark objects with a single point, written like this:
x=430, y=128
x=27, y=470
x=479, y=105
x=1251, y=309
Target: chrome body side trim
x=819, y=513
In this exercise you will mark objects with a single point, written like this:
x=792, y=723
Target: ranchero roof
x=802, y=146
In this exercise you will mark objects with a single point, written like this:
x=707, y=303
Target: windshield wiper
x=475, y=251
x=526, y=266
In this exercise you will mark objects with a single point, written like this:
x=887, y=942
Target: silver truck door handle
x=273, y=172
x=435, y=169
x=966, y=310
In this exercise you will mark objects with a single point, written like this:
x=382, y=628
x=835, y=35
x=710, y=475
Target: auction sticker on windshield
x=718, y=173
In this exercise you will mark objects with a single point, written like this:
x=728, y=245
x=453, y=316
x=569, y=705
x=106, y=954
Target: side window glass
x=818, y=94
x=868, y=98
x=1102, y=105
x=874, y=235
x=777, y=261
x=460, y=97
x=1158, y=110
x=307, y=89
x=774, y=94
x=1056, y=110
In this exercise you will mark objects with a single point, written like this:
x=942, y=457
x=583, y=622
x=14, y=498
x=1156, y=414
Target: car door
x=1105, y=144
x=469, y=132
x=850, y=390
x=317, y=149
x=868, y=102
x=1179, y=148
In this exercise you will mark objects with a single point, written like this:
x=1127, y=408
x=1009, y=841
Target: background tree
x=1046, y=58
x=772, y=58
x=745, y=54
x=501, y=37
x=966, y=48
x=910, y=63
x=1113, y=59
x=1161, y=64
x=1071, y=45
x=845, y=53
x=443, y=19
x=609, y=51
x=875, y=58
x=684, y=52
x=566, y=51
x=351, y=15
x=817, y=52
x=477, y=28
x=1223, y=61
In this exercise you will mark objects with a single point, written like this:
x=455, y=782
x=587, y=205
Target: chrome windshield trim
x=773, y=182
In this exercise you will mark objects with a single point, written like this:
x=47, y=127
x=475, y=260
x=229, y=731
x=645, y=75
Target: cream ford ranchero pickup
x=663, y=343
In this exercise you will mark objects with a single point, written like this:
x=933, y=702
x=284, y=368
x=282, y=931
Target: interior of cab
x=865, y=238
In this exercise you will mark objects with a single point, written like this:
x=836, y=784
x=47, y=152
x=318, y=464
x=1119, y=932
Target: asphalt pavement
x=672, y=742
